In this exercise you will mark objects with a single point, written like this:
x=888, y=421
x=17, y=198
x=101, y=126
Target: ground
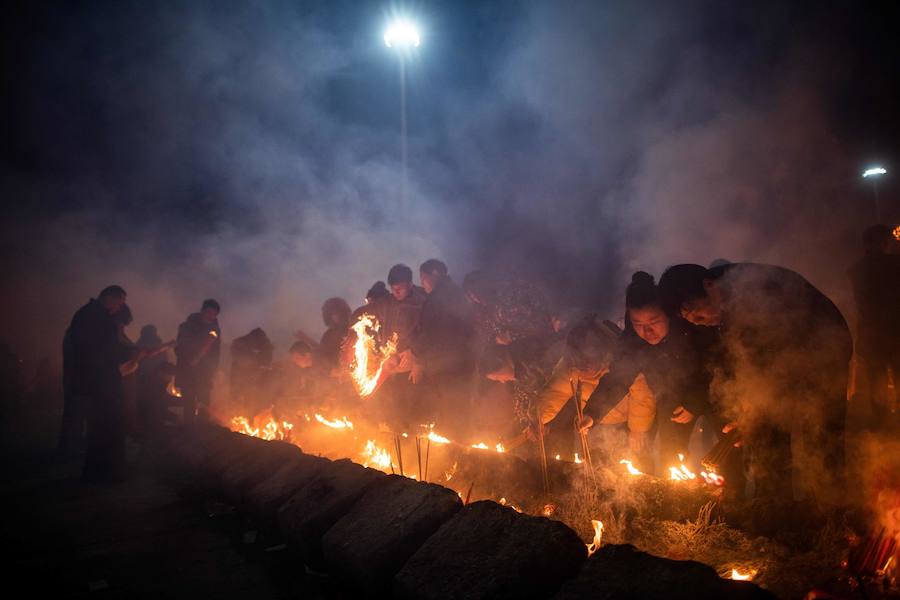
x=136, y=539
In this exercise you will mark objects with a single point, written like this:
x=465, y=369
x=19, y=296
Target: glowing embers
x=368, y=358
x=500, y=448
x=630, y=467
x=897, y=233
x=266, y=428
x=342, y=423
x=598, y=537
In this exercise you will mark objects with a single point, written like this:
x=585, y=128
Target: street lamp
x=402, y=35
x=875, y=173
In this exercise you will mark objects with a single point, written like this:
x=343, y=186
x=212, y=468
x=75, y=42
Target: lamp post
x=874, y=173
x=402, y=36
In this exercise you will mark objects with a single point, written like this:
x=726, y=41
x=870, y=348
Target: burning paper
x=368, y=358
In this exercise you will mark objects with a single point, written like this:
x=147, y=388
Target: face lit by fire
x=650, y=323
x=400, y=291
x=706, y=310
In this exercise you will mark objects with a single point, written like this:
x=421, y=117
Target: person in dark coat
x=441, y=352
x=786, y=353
x=875, y=279
x=336, y=316
x=398, y=316
x=251, y=365
x=197, y=349
x=96, y=355
x=665, y=351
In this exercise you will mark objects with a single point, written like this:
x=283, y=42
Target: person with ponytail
x=666, y=352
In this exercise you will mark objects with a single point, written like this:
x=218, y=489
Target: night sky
x=250, y=151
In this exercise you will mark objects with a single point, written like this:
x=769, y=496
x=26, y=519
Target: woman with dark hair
x=785, y=353
x=666, y=351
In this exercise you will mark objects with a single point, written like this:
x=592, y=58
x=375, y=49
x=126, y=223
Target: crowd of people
x=751, y=351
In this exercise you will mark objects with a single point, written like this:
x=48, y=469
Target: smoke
x=251, y=154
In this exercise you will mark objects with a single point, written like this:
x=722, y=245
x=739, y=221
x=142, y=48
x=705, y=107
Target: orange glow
x=739, y=576
x=681, y=472
x=897, y=233
x=172, y=390
x=480, y=446
x=500, y=448
x=213, y=334
x=578, y=461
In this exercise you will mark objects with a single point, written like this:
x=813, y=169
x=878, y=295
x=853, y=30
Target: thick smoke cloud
x=250, y=153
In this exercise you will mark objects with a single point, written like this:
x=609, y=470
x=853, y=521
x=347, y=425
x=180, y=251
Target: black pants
x=105, y=457
x=195, y=394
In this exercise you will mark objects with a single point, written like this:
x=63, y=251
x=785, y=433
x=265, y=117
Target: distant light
x=874, y=171
x=402, y=33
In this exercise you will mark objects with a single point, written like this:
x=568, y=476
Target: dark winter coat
x=442, y=339
x=95, y=352
x=192, y=336
x=673, y=368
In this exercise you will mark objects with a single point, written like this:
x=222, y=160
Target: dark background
x=250, y=151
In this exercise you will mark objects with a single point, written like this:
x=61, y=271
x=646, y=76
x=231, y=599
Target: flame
x=500, y=448
x=438, y=439
x=631, y=468
x=213, y=334
x=342, y=423
x=738, y=576
x=681, y=472
x=897, y=233
x=172, y=390
x=266, y=429
x=480, y=446
x=557, y=457
x=364, y=375
x=376, y=457
x=598, y=535
x=548, y=509
x=578, y=461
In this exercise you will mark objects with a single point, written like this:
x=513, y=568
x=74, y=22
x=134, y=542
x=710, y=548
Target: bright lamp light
x=401, y=34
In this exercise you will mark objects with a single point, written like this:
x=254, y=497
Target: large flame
x=739, y=576
x=598, y=536
x=342, y=423
x=366, y=355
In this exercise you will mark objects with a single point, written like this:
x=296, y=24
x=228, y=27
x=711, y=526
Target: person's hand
x=585, y=423
x=637, y=441
x=682, y=415
x=730, y=427
x=415, y=373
